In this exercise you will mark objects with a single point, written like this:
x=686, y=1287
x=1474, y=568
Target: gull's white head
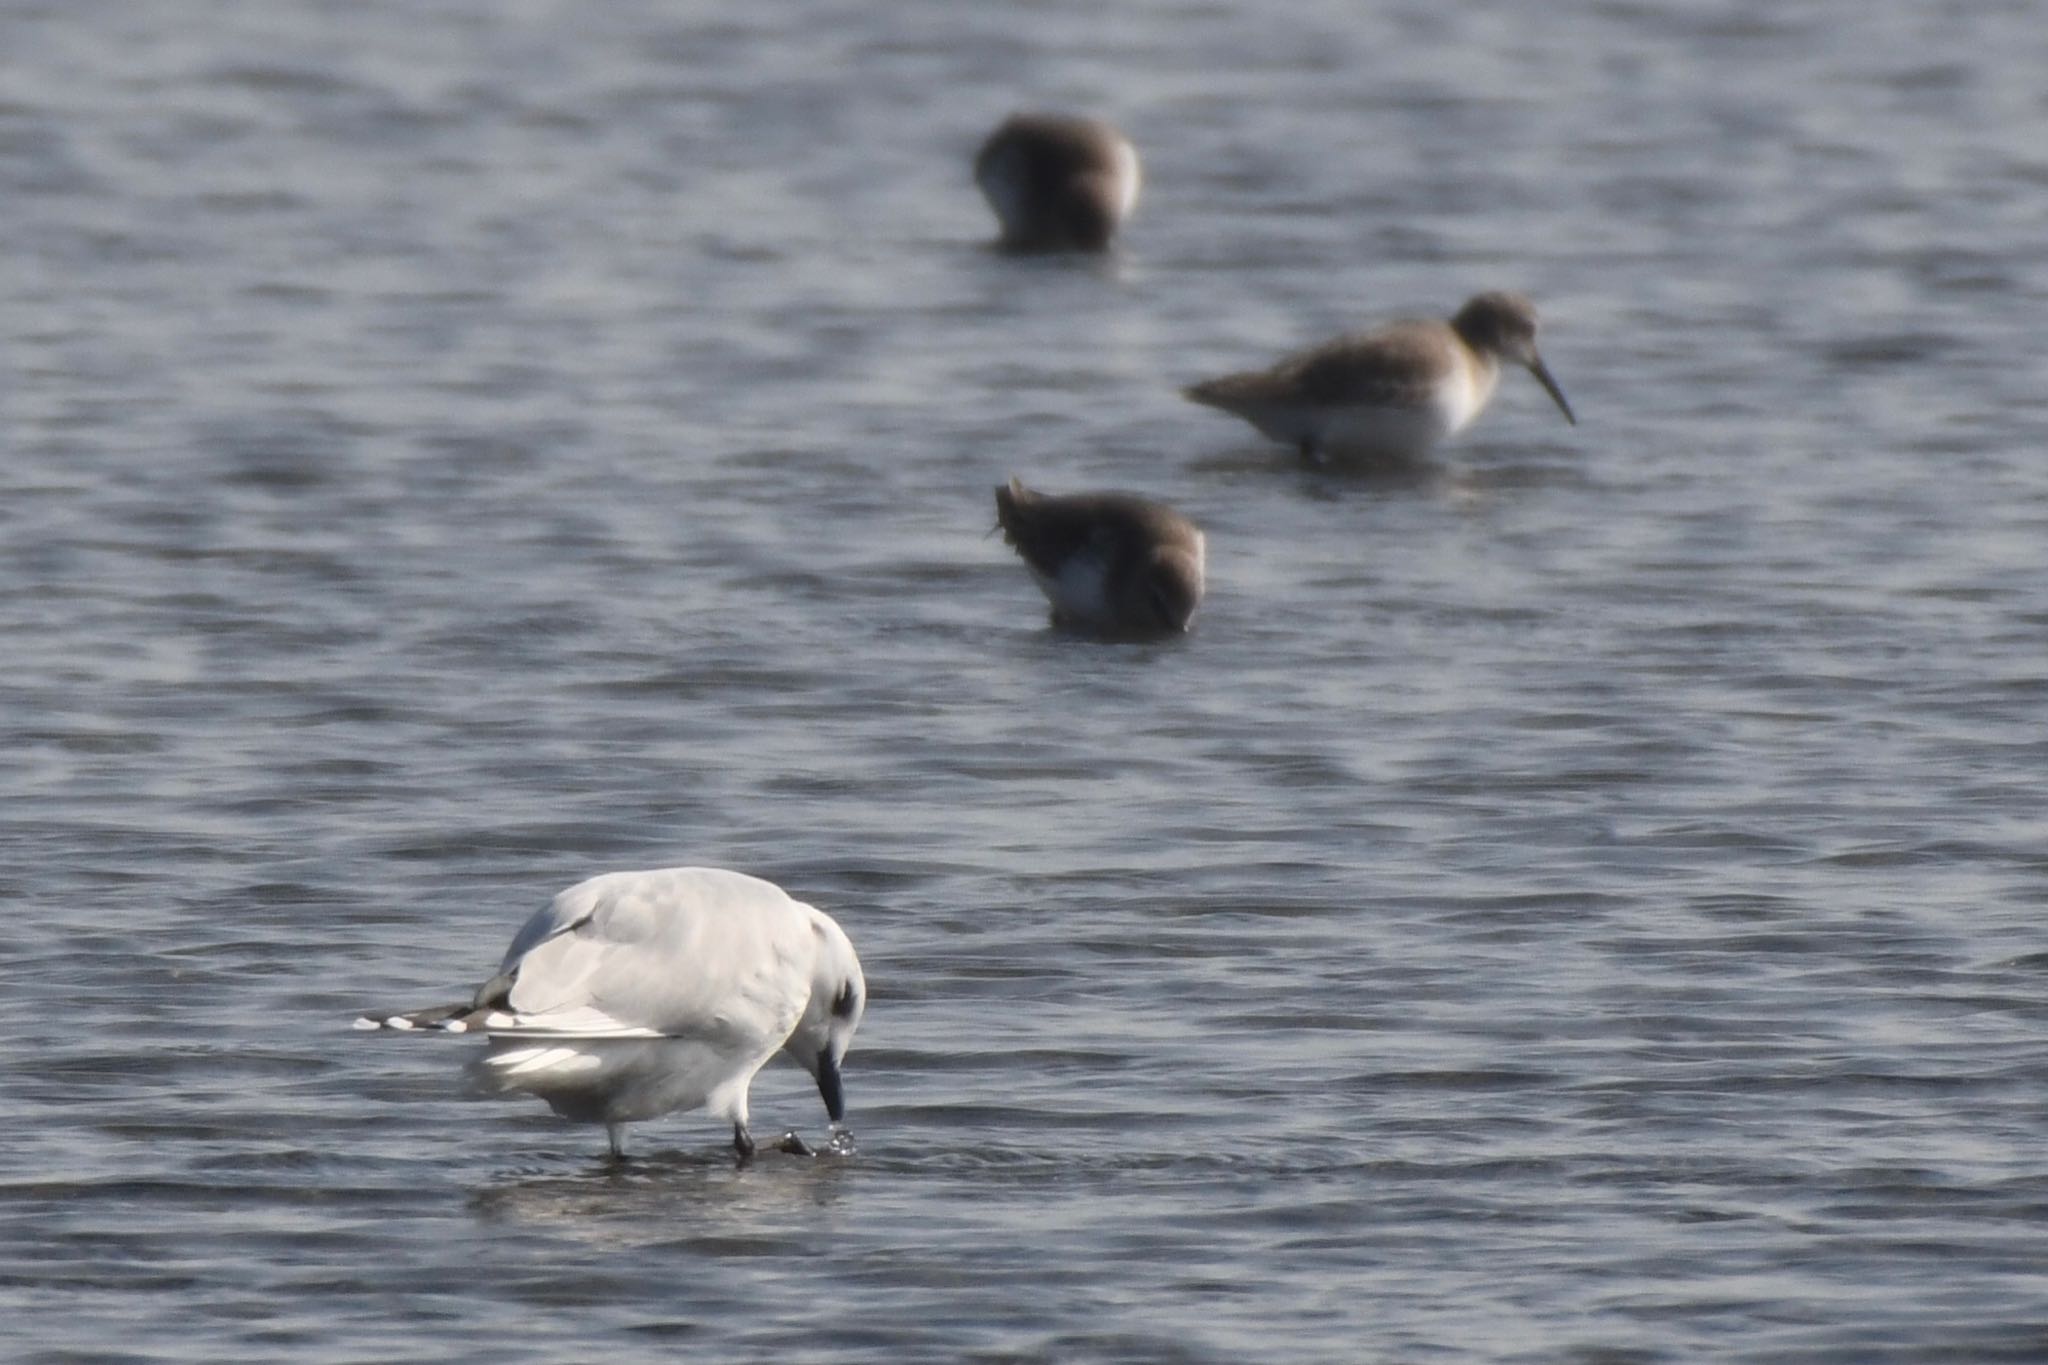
x=839, y=995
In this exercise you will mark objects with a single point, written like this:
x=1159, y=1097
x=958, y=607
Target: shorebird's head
x=1173, y=586
x=1089, y=213
x=1503, y=324
x=839, y=995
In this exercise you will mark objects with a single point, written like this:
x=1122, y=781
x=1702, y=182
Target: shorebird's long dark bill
x=1542, y=373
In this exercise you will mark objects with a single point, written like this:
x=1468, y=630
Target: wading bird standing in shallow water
x=1110, y=563
x=635, y=994
x=1058, y=183
x=1390, y=394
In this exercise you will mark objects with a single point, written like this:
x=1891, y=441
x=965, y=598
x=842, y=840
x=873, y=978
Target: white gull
x=636, y=994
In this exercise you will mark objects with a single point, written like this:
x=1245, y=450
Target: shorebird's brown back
x=1393, y=366
x=1398, y=365
x=1045, y=530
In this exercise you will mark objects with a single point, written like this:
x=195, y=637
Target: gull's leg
x=742, y=1141
x=615, y=1134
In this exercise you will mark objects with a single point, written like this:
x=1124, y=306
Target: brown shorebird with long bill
x=1393, y=393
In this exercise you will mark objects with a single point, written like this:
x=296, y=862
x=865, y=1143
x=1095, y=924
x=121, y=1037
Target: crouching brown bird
x=1058, y=183
x=1111, y=564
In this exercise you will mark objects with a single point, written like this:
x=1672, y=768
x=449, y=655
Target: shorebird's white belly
x=1079, y=591
x=1402, y=431
x=1394, y=432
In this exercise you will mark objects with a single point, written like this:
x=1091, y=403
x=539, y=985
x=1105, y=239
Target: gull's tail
x=457, y=1018
x=491, y=997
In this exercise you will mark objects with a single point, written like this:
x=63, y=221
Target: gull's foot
x=794, y=1145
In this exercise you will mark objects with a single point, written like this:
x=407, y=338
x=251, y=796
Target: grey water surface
x=1582, y=904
